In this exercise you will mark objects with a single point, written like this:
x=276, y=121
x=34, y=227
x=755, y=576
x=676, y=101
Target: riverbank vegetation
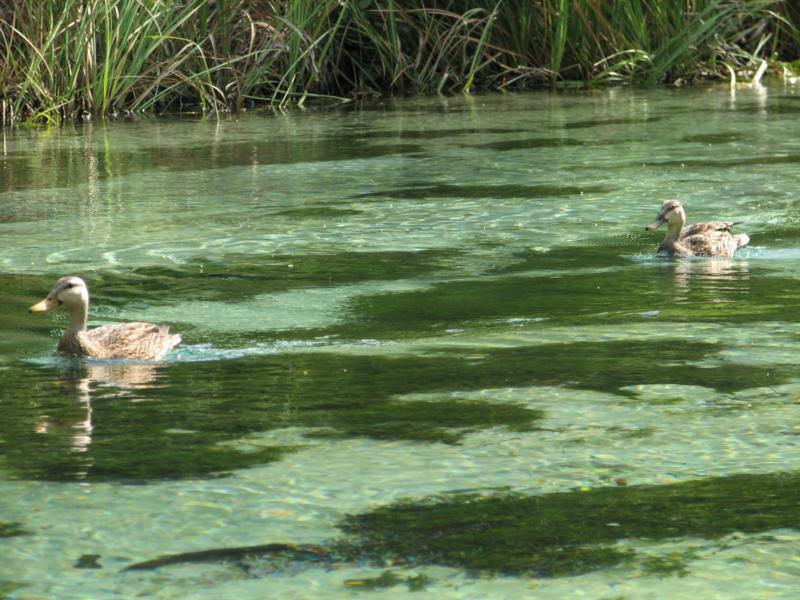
x=74, y=58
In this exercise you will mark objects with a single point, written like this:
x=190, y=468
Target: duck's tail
x=742, y=239
x=726, y=225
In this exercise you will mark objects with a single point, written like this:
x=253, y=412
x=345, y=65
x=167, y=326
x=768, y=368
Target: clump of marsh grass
x=100, y=56
x=66, y=58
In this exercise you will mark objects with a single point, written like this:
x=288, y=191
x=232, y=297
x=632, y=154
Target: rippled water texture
x=427, y=347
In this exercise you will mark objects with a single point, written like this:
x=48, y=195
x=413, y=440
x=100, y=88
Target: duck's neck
x=78, y=316
x=673, y=232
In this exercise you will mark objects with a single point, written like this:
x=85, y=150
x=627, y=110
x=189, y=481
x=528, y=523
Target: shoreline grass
x=70, y=59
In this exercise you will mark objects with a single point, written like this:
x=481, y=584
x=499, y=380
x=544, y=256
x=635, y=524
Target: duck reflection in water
x=86, y=381
x=716, y=280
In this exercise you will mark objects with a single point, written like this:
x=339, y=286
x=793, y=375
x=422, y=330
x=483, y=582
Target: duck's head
x=671, y=213
x=69, y=291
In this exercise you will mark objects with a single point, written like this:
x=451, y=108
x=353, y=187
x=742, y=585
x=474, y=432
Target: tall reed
x=67, y=58
x=76, y=56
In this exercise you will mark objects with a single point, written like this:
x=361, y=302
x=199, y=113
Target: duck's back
x=704, y=228
x=715, y=243
x=137, y=341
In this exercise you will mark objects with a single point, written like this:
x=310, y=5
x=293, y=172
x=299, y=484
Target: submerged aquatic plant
x=553, y=535
x=65, y=58
x=10, y=529
x=570, y=533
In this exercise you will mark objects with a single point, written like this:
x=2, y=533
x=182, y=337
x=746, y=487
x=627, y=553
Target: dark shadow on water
x=569, y=533
x=458, y=192
x=184, y=419
x=239, y=277
x=11, y=529
x=723, y=163
x=715, y=138
x=60, y=167
x=553, y=535
x=589, y=123
x=278, y=152
x=89, y=423
x=683, y=291
x=528, y=143
x=780, y=235
x=428, y=134
x=317, y=212
x=772, y=108
x=596, y=253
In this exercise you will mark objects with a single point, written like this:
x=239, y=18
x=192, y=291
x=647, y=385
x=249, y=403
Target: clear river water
x=428, y=350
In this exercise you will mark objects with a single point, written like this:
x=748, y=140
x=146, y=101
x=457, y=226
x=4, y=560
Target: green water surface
x=428, y=348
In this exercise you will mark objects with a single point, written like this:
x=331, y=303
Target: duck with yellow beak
x=136, y=341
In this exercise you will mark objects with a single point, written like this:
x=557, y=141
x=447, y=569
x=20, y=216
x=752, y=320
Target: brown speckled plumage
x=137, y=341
x=700, y=239
x=142, y=341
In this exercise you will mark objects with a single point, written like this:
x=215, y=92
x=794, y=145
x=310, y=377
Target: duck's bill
x=46, y=304
x=657, y=223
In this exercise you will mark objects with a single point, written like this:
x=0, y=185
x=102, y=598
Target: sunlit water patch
x=402, y=304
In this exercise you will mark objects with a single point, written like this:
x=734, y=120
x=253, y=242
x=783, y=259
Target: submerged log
x=305, y=552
